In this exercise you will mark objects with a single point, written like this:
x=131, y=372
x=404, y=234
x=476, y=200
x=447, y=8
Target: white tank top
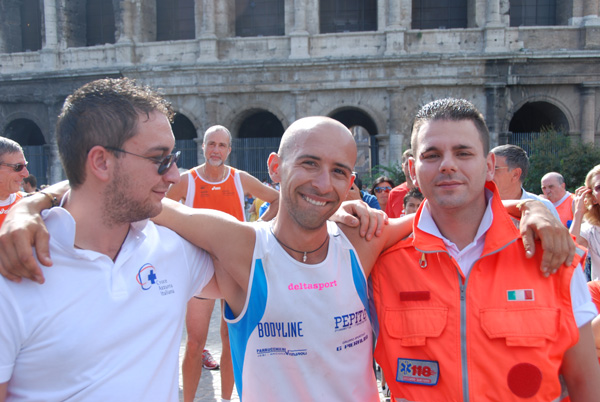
x=305, y=333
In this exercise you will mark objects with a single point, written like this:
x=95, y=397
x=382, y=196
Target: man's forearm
x=47, y=198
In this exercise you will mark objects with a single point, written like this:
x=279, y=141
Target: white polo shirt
x=99, y=330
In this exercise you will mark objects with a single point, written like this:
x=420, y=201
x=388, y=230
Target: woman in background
x=586, y=218
x=381, y=189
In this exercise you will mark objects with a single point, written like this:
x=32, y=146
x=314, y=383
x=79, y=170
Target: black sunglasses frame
x=164, y=163
x=17, y=167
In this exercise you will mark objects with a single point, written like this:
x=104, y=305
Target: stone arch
x=183, y=128
x=260, y=123
x=186, y=137
x=257, y=134
x=364, y=130
x=24, y=131
x=550, y=103
x=236, y=118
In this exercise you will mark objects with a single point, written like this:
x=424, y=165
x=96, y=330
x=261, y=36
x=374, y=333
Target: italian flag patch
x=520, y=295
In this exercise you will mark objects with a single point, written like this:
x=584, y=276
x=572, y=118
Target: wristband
x=53, y=200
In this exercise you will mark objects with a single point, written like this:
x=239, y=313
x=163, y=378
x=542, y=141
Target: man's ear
x=412, y=170
x=274, y=162
x=100, y=162
x=516, y=174
x=491, y=166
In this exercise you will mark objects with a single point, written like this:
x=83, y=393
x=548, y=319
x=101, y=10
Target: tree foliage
x=552, y=151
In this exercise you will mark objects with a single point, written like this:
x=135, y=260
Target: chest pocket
x=528, y=327
x=412, y=326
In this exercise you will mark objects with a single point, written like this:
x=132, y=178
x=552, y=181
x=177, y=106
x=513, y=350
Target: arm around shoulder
x=580, y=368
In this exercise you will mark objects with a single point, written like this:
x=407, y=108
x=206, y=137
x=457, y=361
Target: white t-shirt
x=591, y=233
x=99, y=330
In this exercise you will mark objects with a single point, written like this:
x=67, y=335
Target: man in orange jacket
x=471, y=318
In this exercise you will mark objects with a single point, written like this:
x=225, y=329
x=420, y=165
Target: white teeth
x=317, y=203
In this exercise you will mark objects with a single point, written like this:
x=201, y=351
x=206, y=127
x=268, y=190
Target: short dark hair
x=413, y=193
x=379, y=180
x=454, y=110
x=103, y=112
x=31, y=180
x=516, y=157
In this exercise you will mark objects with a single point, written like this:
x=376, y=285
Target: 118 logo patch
x=423, y=372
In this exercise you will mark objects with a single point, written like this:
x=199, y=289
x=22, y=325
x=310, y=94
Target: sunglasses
x=387, y=189
x=17, y=167
x=164, y=163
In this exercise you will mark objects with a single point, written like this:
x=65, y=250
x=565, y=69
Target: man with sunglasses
x=13, y=169
x=107, y=323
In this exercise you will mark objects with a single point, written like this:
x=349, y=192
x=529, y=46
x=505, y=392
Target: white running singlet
x=305, y=333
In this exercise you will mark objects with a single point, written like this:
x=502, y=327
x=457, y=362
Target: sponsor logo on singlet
x=277, y=351
x=290, y=329
x=146, y=278
x=312, y=286
x=352, y=342
x=347, y=321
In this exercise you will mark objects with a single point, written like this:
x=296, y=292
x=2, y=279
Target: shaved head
x=302, y=129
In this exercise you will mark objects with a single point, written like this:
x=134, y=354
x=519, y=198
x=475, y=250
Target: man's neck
x=291, y=236
x=4, y=196
x=513, y=194
x=213, y=173
x=459, y=225
x=92, y=231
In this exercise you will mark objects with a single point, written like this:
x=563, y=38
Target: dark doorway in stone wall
x=259, y=134
x=537, y=116
x=363, y=129
x=30, y=137
x=532, y=120
x=185, y=141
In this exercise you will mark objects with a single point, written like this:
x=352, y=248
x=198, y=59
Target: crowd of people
x=476, y=285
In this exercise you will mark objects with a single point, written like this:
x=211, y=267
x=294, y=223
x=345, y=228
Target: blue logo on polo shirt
x=146, y=276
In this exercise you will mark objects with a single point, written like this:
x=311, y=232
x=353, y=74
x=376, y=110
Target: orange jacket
x=4, y=210
x=499, y=334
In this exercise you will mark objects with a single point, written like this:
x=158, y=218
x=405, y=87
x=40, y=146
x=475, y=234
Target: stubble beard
x=121, y=208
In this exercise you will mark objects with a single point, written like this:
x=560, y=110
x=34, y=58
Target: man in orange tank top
x=214, y=185
x=553, y=186
x=13, y=169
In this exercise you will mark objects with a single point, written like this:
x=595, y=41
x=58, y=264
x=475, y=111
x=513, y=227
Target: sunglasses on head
x=164, y=163
x=387, y=189
x=17, y=167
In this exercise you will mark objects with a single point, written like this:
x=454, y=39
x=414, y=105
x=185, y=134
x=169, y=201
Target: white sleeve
x=584, y=309
x=200, y=266
x=11, y=331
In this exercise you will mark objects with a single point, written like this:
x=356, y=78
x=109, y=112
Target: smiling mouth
x=314, y=202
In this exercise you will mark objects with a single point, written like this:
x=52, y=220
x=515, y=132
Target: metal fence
x=37, y=156
x=526, y=141
x=251, y=154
